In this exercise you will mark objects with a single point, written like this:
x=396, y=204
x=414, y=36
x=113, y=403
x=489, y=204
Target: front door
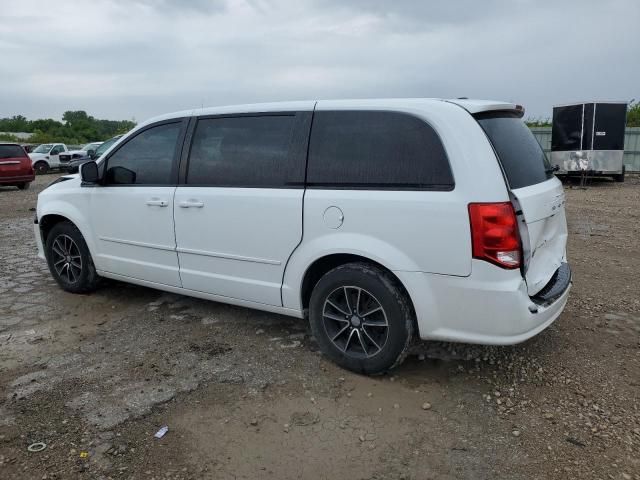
x=239, y=215
x=132, y=212
x=54, y=156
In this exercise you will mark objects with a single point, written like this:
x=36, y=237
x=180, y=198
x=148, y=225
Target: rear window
x=11, y=151
x=521, y=156
x=376, y=149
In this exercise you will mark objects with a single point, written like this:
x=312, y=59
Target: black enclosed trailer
x=589, y=137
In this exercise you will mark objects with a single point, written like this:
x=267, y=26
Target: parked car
x=73, y=165
x=378, y=220
x=86, y=150
x=15, y=166
x=91, y=146
x=46, y=156
x=28, y=147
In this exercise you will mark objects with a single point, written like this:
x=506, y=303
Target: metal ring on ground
x=37, y=447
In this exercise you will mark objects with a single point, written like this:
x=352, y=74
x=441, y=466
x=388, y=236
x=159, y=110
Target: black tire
x=24, y=186
x=41, y=167
x=620, y=178
x=70, y=277
x=363, y=286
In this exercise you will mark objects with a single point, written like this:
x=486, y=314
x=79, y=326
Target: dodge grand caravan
x=378, y=220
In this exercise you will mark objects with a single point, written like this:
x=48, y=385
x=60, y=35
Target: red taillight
x=494, y=233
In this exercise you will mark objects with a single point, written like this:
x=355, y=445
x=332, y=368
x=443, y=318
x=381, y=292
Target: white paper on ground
x=160, y=433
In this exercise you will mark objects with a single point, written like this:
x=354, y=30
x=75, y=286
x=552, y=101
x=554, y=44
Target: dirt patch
x=246, y=394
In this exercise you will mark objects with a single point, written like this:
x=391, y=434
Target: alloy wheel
x=355, y=321
x=67, y=260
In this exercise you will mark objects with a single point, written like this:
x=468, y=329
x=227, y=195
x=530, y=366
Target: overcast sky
x=124, y=59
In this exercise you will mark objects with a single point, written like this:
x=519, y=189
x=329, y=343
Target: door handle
x=156, y=202
x=191, y=204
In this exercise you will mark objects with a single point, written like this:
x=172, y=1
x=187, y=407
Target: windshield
x=106, y=145
x=44, y=148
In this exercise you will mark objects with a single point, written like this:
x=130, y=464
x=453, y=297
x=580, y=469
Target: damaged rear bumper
x=490, y=307
x=559, y=283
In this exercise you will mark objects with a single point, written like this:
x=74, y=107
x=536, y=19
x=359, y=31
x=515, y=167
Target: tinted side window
x=368, y=149
x=146, y=159
x=244, y=151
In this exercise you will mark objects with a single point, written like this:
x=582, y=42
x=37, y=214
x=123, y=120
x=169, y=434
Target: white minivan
x=381, y=221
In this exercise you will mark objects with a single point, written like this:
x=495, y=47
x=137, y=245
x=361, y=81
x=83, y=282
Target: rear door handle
x=156, y=202
x=191, y=204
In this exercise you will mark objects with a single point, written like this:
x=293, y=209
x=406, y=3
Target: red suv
x=15, y=166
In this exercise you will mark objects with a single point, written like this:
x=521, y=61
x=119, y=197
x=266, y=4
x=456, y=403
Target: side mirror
x=89, y=172
x=91, y=153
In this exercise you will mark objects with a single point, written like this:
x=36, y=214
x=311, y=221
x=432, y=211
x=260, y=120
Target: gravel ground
x=246, y=394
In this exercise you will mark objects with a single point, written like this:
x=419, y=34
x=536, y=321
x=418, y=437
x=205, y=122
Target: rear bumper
x=490, y=307
x=555, y=288
x=17, y=179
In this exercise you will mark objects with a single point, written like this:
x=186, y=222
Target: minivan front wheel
x=361, y=318
x=69, y=260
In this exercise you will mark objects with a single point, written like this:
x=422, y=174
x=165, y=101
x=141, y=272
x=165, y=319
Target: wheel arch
x=48, y=219
x=41, y=160
x=326, y=263
x=47, y=222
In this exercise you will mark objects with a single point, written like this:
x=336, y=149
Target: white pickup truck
x=46, y=156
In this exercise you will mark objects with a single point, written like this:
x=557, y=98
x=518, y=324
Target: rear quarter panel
x=411, y=231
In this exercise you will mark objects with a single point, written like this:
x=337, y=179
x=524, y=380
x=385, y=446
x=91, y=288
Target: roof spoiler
x=486, y=106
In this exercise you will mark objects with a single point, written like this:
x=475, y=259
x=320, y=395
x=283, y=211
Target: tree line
x=76, y=128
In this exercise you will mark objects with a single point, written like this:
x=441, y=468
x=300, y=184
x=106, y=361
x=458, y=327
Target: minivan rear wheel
x=361, y=318
x=69, y=259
